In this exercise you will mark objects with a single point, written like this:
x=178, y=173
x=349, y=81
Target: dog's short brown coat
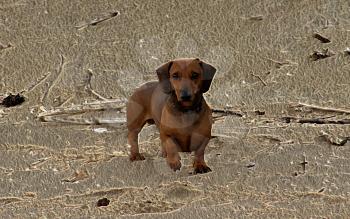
x=177, y=107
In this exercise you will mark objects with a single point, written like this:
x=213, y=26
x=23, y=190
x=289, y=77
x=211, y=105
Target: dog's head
x=187, y=78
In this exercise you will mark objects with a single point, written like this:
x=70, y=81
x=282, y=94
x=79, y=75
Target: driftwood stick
x=84, y=121
x=86, y=107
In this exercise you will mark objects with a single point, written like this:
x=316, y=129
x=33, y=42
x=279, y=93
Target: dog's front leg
x=199, y=164
x=172, y=152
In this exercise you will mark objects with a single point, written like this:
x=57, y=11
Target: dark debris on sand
x=321, y=38
x=103, y=202
x=317, y=55
x=12, y=100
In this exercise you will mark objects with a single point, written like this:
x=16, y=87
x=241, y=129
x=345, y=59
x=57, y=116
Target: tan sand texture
x=281, y=136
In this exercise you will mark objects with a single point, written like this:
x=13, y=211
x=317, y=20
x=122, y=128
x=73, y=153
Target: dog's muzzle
x=185, y=95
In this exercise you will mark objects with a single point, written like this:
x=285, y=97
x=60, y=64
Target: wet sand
x=271, y=158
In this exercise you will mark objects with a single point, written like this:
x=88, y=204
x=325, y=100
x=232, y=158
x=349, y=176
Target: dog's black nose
x=185, y=95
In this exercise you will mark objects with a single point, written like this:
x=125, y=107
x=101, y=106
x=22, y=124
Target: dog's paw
x=199, y=169
x=136, y=157
x=175, y=165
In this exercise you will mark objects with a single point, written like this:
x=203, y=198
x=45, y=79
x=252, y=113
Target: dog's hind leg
x=136, y=119
x=134, y=146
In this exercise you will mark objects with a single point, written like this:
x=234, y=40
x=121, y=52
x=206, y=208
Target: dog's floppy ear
x=208, y=74
x=163, y=76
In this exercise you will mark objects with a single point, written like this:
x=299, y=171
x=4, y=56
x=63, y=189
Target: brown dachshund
x=177, y=107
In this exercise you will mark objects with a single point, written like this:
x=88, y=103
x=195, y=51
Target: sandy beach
x=281, y=100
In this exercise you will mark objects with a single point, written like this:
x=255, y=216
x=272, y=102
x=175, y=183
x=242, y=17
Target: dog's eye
x=175, y=76
x=194, y=76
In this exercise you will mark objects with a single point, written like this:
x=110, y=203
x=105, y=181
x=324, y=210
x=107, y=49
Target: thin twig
x=329, y=109
x=258, y=76
x=319, y=121
x=38, y=82
x=256, y=18
x=97, y=20
x=40, y=162
x=65, y=101
x=228, y=112
x=89, y=87
x=323, y=121
x=279, y=64
x=59, y=72
x=272, y=138
x=304, y=163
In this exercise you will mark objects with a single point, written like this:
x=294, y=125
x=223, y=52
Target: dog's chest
x=183, y=122
x=181, y=127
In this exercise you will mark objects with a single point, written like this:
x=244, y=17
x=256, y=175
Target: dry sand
x=267, y=163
